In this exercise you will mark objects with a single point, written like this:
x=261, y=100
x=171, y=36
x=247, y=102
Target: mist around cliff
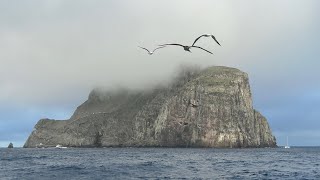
x=180, y=75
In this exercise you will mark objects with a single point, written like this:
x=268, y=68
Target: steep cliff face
x=211, y=108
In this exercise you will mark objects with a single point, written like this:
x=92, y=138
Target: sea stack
x=10, y=145
x=207, y=108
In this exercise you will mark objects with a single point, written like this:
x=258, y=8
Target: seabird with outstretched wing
x=186, y=48
x=151, y=52
x=206, y=35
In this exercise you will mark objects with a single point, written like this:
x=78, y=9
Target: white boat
x=287, y=146
x=60, y=147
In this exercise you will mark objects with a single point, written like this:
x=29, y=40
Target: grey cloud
x=63, y=47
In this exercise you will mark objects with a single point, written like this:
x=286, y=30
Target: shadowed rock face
x=210, y=108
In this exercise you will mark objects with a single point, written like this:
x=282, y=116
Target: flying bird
x=151, y=52
x=186, y=48
x=206, y=35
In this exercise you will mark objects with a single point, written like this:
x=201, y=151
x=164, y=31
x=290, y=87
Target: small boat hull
x=60, y=147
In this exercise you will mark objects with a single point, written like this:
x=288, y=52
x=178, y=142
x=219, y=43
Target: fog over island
x=53, y=53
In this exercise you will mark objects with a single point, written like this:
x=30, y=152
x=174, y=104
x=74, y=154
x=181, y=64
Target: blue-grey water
x=160, y=163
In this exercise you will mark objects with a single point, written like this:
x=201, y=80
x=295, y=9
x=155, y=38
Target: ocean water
x=160, y=163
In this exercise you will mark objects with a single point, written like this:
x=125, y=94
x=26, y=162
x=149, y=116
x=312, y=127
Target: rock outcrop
x=10, y=145
x=209, y=108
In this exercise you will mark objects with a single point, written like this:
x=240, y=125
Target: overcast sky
x=52, y=53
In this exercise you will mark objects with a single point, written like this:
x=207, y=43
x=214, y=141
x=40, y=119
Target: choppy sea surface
x=160, y=163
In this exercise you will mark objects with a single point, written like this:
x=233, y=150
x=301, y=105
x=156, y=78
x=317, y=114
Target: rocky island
x=207, y=108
